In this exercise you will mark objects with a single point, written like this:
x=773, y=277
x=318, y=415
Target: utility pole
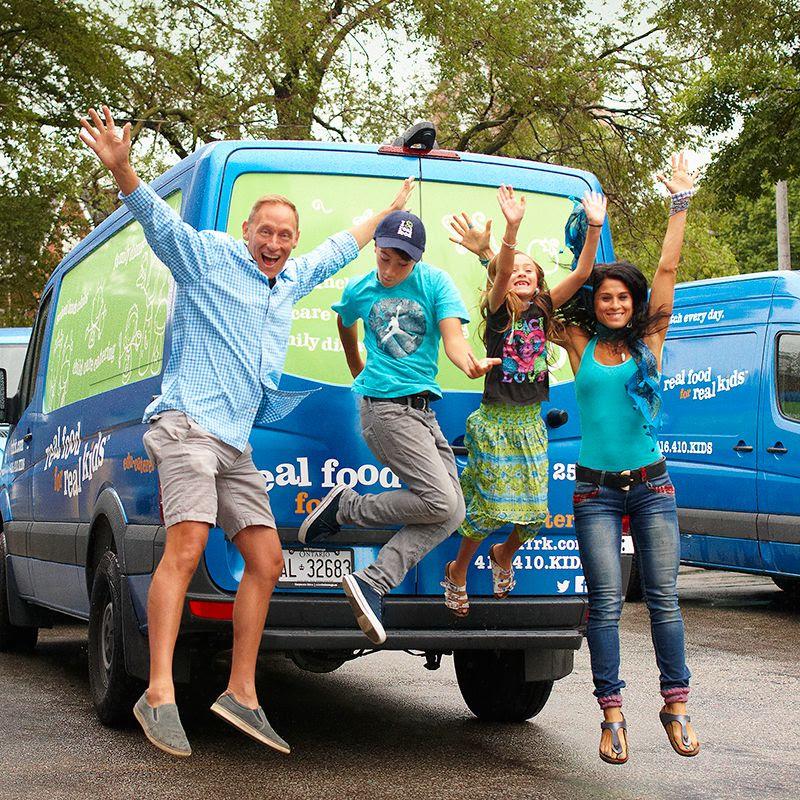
x=782, y=214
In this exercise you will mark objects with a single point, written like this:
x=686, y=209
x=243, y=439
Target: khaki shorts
x=203, y=479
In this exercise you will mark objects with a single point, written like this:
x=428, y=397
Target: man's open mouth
x=268, y=260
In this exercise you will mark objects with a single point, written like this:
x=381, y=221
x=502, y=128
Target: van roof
x=14, y=335
x=218, y=153
x=784, y=283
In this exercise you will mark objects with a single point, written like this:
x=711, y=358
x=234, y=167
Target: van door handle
x=742, y=447
x=556, y=417
x=27, y=437
x=777, y=448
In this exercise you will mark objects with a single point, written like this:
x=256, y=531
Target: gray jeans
x=412, y=445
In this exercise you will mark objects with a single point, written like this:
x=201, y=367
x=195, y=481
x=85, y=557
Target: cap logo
x=406, y=228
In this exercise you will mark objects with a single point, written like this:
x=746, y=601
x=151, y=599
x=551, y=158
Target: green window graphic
x=331, y=203
x=110, y=320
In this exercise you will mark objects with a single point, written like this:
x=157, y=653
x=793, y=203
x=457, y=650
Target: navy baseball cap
x=404, y=231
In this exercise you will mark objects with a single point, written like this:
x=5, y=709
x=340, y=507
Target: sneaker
x=321, y=522
x=162, y=726
x=367, y=606
x=251, y=721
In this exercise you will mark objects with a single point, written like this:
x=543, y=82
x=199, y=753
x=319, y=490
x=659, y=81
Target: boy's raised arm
x=364, y=231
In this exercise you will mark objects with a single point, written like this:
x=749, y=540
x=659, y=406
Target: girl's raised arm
x=513, y=209
x=662, y=296
x=594, y=204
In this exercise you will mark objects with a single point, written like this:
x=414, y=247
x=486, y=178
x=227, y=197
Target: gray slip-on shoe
x=162, y=726
x=253, y=722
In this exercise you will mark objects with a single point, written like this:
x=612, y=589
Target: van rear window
x=331, y=203
x=109, y=324
x=788, y=374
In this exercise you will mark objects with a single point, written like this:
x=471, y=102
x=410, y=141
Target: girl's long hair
x=552, y=326
x=580, y=310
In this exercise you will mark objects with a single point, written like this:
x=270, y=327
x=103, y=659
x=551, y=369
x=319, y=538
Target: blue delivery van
x=81, y=521
x=731, y=427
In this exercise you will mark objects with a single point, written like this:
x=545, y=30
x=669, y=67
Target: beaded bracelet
x=680, y=201
x=484, y=261
x=510, y=246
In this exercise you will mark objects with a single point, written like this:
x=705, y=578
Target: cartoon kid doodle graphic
x=524, y=353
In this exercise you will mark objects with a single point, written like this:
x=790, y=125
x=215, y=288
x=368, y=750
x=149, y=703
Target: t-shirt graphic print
x=522, y=377
x=524, y=352
x=398, y=324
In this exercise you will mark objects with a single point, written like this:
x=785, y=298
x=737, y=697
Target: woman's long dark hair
x=580, y=310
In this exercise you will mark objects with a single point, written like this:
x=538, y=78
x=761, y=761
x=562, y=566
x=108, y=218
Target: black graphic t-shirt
x=522, y=377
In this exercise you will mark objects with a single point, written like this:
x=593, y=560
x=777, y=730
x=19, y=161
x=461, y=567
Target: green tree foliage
x=747, y=77
x=524, y=78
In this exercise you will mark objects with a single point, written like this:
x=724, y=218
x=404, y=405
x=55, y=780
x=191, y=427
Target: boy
x=406, y=306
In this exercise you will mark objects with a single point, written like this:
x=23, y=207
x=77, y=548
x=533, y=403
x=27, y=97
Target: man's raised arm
x=183, y=250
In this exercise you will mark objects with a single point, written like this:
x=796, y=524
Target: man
x=230, y=335
x=407, y=306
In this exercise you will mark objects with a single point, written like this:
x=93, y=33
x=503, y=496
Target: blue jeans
x=654, y=527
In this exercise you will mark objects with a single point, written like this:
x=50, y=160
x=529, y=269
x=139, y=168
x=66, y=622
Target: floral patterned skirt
x=505, y=480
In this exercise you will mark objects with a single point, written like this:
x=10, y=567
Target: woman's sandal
x=455, y=596
x=616, y=744
x=682, y=719
x=502, y=579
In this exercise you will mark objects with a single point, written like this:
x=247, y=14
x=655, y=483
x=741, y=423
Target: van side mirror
x=3, y=398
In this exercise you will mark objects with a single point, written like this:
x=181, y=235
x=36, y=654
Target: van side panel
x=711, y=379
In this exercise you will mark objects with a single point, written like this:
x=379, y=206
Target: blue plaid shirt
x=230, y=330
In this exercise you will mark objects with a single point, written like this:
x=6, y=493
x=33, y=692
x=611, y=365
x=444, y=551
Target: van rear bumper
x=319, y=622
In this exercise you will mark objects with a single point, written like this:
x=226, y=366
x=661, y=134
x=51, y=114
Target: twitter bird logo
x=562, y=586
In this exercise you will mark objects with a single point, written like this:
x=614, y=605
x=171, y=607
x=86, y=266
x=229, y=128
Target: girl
x=615, y=352
x=505, y=480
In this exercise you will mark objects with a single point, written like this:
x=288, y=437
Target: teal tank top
x=614, y=433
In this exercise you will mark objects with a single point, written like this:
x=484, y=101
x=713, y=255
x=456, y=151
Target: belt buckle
x=626, y=473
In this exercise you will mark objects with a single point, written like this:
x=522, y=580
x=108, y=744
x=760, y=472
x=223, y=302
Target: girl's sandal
x=616, y=744
x=455, y=596
x=502, y=579
x=682, y=719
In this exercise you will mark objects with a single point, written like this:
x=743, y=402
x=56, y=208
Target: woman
x=615, y=346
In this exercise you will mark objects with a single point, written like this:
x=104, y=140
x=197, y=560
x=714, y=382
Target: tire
x=113, y=690
x=791, y=586
x=493, y=685
x=13, y=638
x=634, y=593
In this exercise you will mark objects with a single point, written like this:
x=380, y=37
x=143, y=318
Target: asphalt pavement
x=384, y=727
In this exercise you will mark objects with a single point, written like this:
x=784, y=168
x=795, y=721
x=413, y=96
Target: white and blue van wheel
x=13, y=638
x=113, y=690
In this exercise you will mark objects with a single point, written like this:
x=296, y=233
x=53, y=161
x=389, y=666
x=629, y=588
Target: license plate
x=315, y=567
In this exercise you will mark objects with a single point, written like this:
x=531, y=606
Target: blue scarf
x=644, y=386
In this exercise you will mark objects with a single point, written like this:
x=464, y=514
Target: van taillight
x=211, y=609
x=626, y=525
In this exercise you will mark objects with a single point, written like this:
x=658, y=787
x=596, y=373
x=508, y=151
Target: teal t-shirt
x=401, y=329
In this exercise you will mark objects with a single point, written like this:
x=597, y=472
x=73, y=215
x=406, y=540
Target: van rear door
x=320, y=443
x=550, y=564
x=779, y=450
